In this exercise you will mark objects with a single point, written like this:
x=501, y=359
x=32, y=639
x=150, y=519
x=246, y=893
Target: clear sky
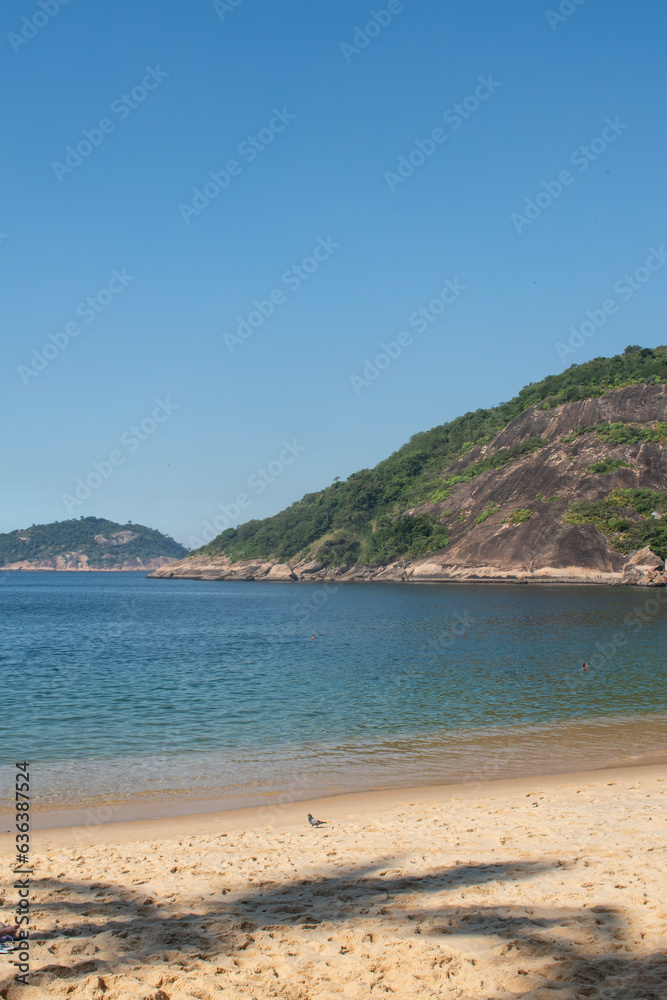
x=350, y=187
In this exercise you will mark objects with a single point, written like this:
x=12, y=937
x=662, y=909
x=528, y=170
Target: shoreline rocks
x=641, y=569
x=77, y=562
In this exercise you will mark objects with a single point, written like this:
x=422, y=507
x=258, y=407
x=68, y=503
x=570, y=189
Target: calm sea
x=124, y=690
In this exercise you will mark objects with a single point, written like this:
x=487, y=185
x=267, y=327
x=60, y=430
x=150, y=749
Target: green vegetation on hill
x=608, y=465
x=489, y=511
x=355, y=521
x=631, y=519
x=408, y=537
x=520, y=515
x=115, y=544
x=621, y=433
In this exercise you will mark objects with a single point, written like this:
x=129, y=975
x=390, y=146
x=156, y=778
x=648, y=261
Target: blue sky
x=305, y=112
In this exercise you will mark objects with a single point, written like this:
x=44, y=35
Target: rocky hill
x=565, y=491
x=588, y=505
x=89, y=543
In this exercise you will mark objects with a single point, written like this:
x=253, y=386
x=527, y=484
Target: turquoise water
x=117, y=686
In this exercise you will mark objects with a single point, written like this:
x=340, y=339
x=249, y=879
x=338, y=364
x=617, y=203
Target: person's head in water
x=584, y=666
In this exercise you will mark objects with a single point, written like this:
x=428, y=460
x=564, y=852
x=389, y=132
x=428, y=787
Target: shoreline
x=13, y=568
x=127, y=788
x=180, y=821
x=641, y=567
x=542, y=580
x=376, y=574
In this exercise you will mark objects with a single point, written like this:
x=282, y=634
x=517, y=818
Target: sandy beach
x=533, y=887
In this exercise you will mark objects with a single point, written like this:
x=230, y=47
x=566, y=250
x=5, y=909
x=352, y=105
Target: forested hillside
x=359, y=520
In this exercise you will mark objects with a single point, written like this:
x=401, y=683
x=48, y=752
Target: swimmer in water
x=312, y=637
x=585, y=666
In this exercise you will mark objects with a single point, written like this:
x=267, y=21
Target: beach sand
x=546, y=887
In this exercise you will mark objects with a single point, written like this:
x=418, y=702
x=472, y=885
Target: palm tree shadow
x=332, y=898
x=604, y=960
x=126, y=924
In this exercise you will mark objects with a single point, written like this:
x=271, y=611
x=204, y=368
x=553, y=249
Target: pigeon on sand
x=315, y=822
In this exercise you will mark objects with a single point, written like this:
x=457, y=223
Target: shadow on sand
x=586, y=949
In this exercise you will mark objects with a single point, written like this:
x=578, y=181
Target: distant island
x=563, y=483
x=88, y=543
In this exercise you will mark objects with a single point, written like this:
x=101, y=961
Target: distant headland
x=88, y=544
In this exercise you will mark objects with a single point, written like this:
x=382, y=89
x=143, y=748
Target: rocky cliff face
x=542, y=548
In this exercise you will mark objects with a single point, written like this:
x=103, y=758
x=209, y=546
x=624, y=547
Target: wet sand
x=147, y=787
x=532, y=887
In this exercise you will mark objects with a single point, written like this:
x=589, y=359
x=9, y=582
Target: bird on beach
x=315, y=822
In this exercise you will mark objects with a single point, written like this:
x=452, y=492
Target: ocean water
x=122, y=690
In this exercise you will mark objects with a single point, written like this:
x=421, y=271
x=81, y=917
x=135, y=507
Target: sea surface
x=125, y=692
